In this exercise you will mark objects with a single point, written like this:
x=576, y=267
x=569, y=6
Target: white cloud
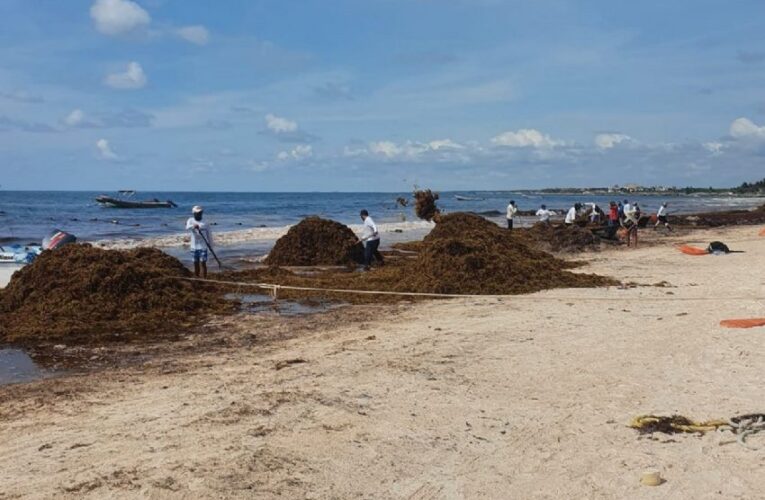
x=607, y=141
x=300, y=152
x=526, y=138
x=132, y=78
x=117, y=17
x=744, y=128
x=714, y=147
x=442, y=144
x=411, y=150
x=385, y=148
x=194, y=34
x=75, y=118
x=105, y=151
x=280, y=125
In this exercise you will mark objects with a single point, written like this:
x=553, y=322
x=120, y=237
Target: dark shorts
x=663, y=219
x=199, y=255
x=509, y=223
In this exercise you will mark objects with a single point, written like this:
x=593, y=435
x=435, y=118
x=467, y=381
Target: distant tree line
x=751, y=187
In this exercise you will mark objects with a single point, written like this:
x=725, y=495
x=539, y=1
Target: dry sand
x=524, y=397
x=6, y=271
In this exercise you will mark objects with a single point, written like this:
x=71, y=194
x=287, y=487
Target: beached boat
x=466, y=198
x=19, y=254
x=109, y=201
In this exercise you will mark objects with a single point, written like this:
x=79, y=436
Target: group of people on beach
x=624, y=215
x=620, y=215
x=201, y=241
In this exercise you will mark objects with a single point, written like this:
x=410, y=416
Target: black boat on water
x=110, y=201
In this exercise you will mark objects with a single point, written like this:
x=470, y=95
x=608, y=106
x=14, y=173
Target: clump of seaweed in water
x=425, y=204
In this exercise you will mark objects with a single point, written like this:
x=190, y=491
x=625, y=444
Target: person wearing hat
x=370, y=237
x=201, y=240
x=511, y=211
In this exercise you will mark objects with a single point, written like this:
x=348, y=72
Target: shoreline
x=459, y=397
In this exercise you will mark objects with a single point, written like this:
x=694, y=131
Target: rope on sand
x=745, y=426
x=274, y=288
x=742, y=426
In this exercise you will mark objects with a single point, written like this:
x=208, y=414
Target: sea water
x=249, y=223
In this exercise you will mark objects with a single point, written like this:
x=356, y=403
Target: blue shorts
x=199, y=255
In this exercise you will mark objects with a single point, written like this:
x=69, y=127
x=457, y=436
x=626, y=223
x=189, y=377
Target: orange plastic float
x=687, y=249
x=743, y=323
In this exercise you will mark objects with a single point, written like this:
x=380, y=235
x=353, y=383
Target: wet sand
x=520, y=397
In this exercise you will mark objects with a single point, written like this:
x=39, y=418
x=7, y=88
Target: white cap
x=196, y=209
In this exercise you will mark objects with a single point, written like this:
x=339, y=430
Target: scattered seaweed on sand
x=562, y=238
x=425, y=204
x=79, y=294
x=722, y=218
x=317, y=242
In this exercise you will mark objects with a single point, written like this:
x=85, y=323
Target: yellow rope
x=274, y=288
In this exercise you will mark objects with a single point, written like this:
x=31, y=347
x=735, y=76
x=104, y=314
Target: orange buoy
x=743, y=323
x=689, y=250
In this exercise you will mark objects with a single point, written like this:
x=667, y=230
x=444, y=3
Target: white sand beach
x=6, y=271
x=518, y=397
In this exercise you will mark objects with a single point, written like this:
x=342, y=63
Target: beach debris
x=742, y=426
x=289, y=362
x=714, y=248
x=86, y=295
x=651, y=478
x=674, y=424
x=568, y=238
x=57, y=239
x=722, y=218
x=315, y=242
x=743, y=323
x=762, y=232
x=425, y=204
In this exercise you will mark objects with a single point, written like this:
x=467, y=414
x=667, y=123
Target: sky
x=380, y=95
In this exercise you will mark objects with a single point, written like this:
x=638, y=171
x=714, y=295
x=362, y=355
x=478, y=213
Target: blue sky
x=373, y=95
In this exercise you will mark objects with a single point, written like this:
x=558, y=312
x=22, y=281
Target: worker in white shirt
x=661, y=217
x=201, y=240
x=544, y=214
x=371, y=239
x=572, y=212
x=626, y=207
x=511, y=211
x=630, y=223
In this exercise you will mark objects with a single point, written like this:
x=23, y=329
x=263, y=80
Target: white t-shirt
x=630, y=214
x=511, y=211
x=662, y=211
x=198, y=243
x=627, y=208
x=571, y=215
x=369, y=231
x=544, y=214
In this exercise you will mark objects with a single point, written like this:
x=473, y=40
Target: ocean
x=249, y=223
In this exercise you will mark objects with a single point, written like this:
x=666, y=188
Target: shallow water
x=265, y=304
x=29, y=216
x=16, y=366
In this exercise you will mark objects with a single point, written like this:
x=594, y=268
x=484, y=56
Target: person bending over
x=544, y=214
